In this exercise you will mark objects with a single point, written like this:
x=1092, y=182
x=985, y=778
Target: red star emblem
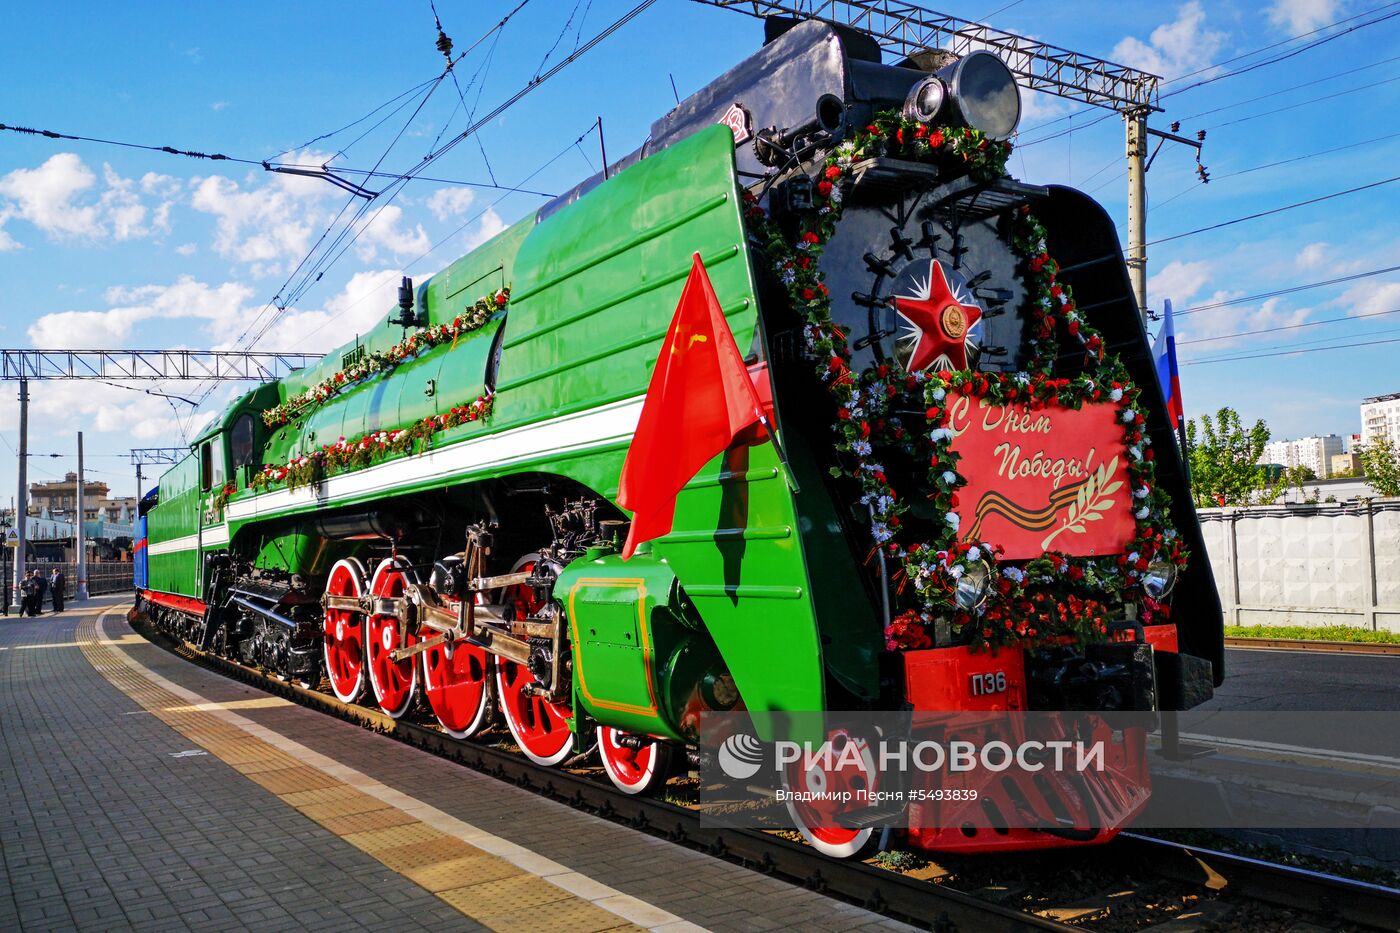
x=937, y=323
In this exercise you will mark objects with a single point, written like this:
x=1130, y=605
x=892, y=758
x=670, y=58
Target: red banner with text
x=1044, y=479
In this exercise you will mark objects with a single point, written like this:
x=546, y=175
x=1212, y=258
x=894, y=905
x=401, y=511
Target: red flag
x=699, y=399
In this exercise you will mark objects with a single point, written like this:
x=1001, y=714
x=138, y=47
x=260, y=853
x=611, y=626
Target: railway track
x=1303, y=644
x=1187, y=875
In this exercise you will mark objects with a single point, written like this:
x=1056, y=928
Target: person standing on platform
x=31, y=591
x=42, y=583
x=57, y=585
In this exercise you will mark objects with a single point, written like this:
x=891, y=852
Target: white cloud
x=486, y=228
x=1173, y=48
x=1179, y=281
x=55, y=198
x=186, y=249
x=384, y=229
x=271, y=222
x=358, y=308
x=47, y=196
x=265, y=224
x=218, y=105
x=1312, y=256
x=115, y=326
x=1300, y=16
x=1371, y=297
x=450, y=202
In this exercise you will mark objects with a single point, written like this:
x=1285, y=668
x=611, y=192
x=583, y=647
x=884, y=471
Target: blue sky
x=109, y=247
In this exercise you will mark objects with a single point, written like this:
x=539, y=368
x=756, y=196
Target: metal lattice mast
x=140, y=456
x=123, y=365
x=151, y=364
x=906, y=28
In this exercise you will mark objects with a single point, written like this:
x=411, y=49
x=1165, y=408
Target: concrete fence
x=1327, y=564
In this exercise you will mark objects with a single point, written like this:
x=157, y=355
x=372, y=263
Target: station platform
x=139, y=791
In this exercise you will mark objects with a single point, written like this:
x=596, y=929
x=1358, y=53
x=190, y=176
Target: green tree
x=1381, y=466
x=1225, y=467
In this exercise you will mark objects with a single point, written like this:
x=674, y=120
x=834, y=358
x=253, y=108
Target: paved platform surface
x=138, y=791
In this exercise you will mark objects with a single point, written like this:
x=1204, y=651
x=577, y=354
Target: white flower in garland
x=938, y=394
x=1022, y=379
x=881, y=532
x=1135, y=453
x=940, y=435
x=950, y=477
x=956, y=571
x=974, y=553
x=953, y=519
x=1128, y=415
x=1116, y=395
x=1141, y=492
x=1014, y=574
x=861, y=448
x=1141, y=513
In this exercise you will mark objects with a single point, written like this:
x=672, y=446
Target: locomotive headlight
x=925, y=100
x=1159, y=579
x=984, y=91
x=974, y=585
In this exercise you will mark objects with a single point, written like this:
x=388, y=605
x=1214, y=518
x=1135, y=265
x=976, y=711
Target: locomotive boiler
x=967, y=509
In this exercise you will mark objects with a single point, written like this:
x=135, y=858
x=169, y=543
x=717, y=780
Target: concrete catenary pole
x=81, y=592
x=22, y=498
x=1137, y=206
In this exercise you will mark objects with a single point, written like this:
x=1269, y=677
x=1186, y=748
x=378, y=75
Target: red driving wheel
x=455, y=678
x=635, y=765
x=393, y=682
x=824, y=778
x=343, y=633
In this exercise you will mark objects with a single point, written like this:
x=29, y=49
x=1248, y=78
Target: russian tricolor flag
x=1164, y=352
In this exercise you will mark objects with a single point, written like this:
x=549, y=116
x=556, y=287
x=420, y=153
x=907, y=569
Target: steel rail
x=1345, y=899
x=1307, y=644
x=884, y=892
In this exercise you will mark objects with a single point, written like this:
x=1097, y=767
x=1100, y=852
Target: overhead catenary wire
x=453, y=233
x=1268, y=165
x=1214, y=65
x=476, y=125
x=1277, y=210
x=1284, y=327
x=1277, y=353
x=1262, y=296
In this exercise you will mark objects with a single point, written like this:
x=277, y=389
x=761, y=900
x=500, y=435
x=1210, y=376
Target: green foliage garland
x=473, y=317
x=345, y=456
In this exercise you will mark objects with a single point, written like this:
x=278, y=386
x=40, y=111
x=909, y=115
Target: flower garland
x=221, y=498
x=474, y=317
x=346, y=455
x=867, y=402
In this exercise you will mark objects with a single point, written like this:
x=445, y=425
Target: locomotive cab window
x=211, y=464
x=240, y=441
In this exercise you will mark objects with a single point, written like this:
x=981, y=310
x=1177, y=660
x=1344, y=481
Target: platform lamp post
x=11, y=539
x=22, y=499
x=81, y=592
